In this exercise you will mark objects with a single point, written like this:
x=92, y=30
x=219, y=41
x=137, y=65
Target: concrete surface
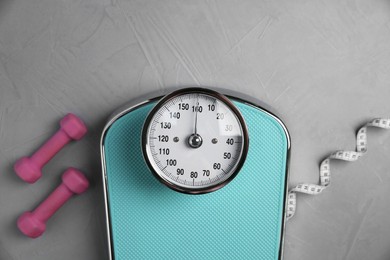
x=322, y=65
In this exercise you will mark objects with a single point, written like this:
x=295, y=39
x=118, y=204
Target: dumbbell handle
x=53, y=202
x=50, y=148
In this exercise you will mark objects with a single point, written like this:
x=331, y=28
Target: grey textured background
x=322, y=65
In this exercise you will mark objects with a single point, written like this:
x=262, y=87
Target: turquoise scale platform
x=243, y=220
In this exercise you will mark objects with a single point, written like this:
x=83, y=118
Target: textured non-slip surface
x=243, y=220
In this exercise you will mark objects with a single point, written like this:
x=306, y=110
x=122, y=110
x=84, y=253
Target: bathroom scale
x=197, y=173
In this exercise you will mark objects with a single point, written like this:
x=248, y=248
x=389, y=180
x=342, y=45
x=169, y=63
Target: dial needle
x=196, y=114
x=195, y=140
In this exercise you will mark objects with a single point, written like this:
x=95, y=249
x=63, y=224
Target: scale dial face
x=195, y=140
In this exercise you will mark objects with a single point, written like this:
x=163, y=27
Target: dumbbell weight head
x=30, y=225
x=73, y=126
x=27, y=170
x=75, y=181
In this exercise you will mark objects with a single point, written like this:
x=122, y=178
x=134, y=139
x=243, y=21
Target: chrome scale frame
x=143, y=100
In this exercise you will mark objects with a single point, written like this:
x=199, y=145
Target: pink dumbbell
x=29, y=169
x=33, y=224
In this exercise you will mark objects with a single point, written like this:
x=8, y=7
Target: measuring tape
x=315, y=189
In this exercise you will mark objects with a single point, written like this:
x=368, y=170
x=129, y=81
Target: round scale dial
x=195, y=140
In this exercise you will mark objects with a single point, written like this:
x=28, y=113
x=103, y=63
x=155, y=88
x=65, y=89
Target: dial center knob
x=195, y=140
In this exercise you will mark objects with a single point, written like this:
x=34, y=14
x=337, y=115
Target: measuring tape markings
x=315, y=189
